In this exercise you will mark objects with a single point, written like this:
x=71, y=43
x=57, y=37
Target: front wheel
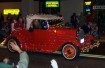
x=70, y=51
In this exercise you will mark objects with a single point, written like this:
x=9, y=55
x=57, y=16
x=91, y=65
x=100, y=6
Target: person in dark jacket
x=1, y=20
x=86, y=28
x=74, y=20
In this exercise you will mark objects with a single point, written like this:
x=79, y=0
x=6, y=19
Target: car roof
x=43, y=17
x=31, y=17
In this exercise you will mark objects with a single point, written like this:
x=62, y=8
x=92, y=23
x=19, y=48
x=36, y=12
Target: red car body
x=47, y=41
x=50, y=40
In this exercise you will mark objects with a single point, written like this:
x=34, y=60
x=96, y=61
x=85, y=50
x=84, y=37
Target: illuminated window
x=88, y=3
x=52, y=3
x=11, y=11
x=88, y=9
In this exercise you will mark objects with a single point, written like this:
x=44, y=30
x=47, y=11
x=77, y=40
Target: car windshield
x=52, y=22
x=55, y=22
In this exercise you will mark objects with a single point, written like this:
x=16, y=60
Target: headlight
x=82, y=40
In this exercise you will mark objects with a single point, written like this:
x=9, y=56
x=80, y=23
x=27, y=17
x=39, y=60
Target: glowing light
x=88, y=9
x=55, y=31
x=88, y=3
x=82, y=40
x=11, y=11
x=52, y=4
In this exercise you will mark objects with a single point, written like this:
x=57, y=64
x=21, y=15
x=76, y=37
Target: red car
x=44, y=34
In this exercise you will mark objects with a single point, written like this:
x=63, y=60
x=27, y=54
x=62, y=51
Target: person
x=5, y=30
x=2, y=31
x=8, y=60
x=94, y=30
x=82, y=19
x=45, y=25
x=1, y=20
x=19, y=15
x=35, y=24
x=9, y=20
x=89, y=18
x=80, y=33
x=19, y=24
x=86, y=28
x=23, y=61
x=12, y=25
x=74, y=20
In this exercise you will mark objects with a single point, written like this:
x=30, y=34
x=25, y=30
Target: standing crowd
x=7, y=22
x=85, y=22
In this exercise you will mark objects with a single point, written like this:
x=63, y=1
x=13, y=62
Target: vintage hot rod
x=49, y=36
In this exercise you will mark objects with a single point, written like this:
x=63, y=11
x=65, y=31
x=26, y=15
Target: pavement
x=102, y=39
x=42, y=60
x=88, y=55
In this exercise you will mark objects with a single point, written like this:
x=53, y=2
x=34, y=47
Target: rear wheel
x=9, y=40
x=70, y=51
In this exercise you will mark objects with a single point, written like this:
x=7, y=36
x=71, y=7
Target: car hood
x=64, y=30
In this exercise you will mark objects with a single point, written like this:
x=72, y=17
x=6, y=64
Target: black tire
x=11, y=39
x=70, y=51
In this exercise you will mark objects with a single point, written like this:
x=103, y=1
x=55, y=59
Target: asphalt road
x=39, y=60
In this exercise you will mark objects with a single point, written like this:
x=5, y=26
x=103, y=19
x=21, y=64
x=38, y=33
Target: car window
x=55, y=22
x=39, y=24
x=43, y=24
x=35, y=24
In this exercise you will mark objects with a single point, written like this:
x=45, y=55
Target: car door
x=45, y=40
